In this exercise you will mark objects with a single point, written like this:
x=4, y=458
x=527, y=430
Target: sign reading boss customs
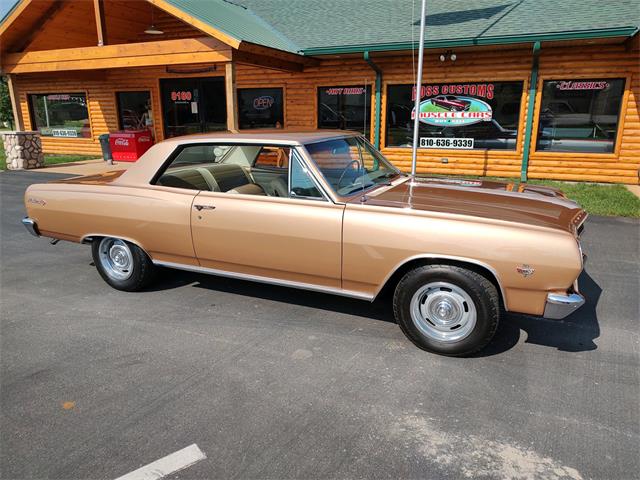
x=457, y=115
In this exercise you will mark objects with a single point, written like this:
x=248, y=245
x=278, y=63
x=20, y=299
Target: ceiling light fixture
x=152, y=30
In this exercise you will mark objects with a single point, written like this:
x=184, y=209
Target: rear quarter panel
x=377, y=240
x=155, y=218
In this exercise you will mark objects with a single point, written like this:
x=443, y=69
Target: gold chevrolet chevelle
x=325, y=211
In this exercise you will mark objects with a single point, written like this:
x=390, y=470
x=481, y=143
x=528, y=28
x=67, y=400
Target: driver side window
x=302, y=184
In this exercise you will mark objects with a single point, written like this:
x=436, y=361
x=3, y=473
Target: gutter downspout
x=378, y=107
x=533, y=89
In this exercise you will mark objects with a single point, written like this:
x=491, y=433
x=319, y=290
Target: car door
x=293, y=238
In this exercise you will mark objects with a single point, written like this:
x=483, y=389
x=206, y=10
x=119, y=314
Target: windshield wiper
x=358, y=189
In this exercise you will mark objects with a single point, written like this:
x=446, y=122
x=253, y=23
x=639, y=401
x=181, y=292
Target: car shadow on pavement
x=381, y=309
x=575, y=333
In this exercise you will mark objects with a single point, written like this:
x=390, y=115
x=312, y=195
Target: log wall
x=480, y=65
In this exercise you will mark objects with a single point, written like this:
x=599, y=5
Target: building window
x=260, y=108
x=580, y=115
x=60, y=115
x=345, y=108
x=134, y=110
x=456, y=115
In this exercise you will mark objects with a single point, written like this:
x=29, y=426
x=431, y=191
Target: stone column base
x=23, y=150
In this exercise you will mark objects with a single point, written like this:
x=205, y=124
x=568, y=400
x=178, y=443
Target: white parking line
x=167, y=465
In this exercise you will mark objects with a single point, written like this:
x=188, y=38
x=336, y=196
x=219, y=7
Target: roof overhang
x=165, y=52
x=623, y=33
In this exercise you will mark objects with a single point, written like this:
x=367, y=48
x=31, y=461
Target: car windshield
x=351, y=164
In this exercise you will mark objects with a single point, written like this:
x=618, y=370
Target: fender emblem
x=37, y=201
x=525, y=270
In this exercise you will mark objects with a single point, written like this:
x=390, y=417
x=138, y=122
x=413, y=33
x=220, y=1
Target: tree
x=6, y=113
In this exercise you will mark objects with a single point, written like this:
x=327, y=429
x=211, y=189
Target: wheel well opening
x=393, y=280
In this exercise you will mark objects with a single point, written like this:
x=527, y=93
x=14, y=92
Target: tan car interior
x=246, y=169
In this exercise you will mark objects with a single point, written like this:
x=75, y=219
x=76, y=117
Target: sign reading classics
x=581, y=85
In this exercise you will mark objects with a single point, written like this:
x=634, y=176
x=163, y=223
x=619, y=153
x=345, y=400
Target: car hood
x=512, y=202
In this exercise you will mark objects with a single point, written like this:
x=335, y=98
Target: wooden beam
x=199, y=24
x=98, y=8
x=266, y=62
x=230, y=90
x=15, y=104
x=166, y=52
x=261, y=50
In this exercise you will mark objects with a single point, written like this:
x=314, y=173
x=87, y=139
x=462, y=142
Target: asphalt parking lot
x=278, y=383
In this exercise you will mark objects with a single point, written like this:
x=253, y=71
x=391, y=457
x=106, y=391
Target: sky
x=5, y=6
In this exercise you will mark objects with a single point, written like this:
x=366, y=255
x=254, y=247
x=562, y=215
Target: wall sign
x=263, y=102
x=581, y=85
x=453, y=111
x=455, y=115
x=260, y=108
x=344, y=91
x=454, y=105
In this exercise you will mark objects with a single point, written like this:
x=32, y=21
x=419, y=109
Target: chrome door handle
x=204, y=207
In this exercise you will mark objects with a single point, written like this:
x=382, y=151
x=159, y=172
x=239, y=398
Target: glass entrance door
x=193, y=105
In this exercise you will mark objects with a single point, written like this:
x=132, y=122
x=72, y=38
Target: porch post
x=230, y=90
x=533, y=89
x=98, y=8
x=15, y=104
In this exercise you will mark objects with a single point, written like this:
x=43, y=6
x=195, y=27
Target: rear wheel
x=447, y=309
x=122, y=264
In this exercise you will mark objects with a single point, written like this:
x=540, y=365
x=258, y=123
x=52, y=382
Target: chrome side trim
x=31, y=226
x=447, y=257
x=268, y=280
x=560, y=305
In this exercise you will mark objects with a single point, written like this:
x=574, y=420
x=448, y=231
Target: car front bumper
x=31, y=226
x=560, y=305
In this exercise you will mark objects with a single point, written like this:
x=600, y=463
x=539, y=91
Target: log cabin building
x=529, y=88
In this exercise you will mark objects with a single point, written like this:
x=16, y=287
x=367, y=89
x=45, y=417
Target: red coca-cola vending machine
x=128, y=146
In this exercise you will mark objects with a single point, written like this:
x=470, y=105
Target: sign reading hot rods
x=455, y=105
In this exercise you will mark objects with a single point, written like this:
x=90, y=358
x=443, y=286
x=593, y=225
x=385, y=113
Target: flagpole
x=416, y=109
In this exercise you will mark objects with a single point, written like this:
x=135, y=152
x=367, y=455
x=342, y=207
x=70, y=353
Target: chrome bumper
x=31, y=226
x=561, y=305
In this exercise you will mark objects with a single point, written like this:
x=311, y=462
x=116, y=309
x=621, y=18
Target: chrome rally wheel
x=116, y=258
x=447, y=309
x=443, y=311
x=123, y=265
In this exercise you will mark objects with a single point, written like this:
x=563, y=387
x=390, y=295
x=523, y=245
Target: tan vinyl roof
x=263, y=136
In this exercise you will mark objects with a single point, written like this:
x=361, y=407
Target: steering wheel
x=344, y=171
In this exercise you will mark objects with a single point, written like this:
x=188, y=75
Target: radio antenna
x=416, y=108
x=363, y=198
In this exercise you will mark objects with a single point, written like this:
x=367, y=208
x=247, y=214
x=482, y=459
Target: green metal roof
x=237, y=21
x=334, y=26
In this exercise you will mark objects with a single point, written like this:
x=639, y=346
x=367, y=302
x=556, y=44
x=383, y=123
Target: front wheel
x=447, y=309
x=122, y=264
